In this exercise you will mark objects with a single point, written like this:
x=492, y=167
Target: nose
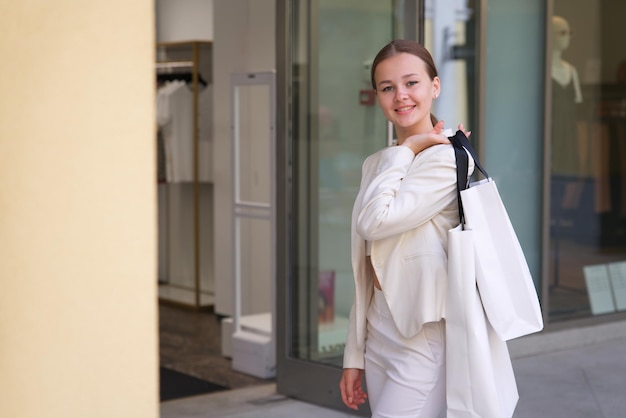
x=400, y=94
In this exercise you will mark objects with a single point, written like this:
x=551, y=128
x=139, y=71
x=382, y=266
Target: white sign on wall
x=599, y=289
x=617, y=273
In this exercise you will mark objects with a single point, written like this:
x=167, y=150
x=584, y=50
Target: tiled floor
x=582, y=382
x=573, y=373
x=190, y=342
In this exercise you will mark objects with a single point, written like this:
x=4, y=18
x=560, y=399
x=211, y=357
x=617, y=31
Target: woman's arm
x=404, y=193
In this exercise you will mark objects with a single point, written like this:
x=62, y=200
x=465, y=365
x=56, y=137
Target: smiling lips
x=404, y=109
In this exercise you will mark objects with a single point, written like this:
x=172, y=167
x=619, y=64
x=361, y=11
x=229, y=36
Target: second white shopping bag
x=480, y=382
x=504, y=281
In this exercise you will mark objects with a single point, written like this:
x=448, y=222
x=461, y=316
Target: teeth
x=402, y=109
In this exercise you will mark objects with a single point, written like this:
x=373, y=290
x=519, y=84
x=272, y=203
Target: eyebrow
x=404, y=76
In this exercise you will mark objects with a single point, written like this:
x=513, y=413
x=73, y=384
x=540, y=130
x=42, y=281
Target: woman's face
x=405, y=93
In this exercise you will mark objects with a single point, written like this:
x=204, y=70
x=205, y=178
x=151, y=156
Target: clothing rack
x=168, y=65
x=188, y=62
x=165, y=72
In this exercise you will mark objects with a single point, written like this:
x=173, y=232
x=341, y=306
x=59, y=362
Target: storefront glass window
x=588, y=159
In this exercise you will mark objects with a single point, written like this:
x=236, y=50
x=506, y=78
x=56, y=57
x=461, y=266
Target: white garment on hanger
x=205, y=134
x=175, y=117
x=162, y=113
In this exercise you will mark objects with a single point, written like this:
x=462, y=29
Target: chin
x=405, y=124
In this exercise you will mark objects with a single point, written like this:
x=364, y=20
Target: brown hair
x=400, y=46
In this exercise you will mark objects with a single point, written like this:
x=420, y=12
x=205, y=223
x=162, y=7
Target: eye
x=411, y=83
x=388, y=88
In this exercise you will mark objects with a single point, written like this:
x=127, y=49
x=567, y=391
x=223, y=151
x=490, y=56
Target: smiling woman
x=417, y=86
x=405, y=93
x=404, y=208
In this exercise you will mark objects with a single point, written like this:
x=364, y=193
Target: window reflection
x=588, y=161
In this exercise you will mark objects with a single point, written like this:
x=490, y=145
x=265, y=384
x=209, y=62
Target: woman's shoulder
x=373, y=158
x=442, y=152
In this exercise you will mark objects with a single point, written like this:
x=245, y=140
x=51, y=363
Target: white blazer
x=405, y=206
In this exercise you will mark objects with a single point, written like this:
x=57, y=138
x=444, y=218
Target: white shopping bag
x=504, y=280
x=479, y=376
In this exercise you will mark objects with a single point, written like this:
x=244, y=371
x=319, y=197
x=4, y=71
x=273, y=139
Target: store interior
x=194, y=184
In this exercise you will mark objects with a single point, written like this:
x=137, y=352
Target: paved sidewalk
x=586, y=380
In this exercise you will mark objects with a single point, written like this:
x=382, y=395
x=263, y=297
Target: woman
x=406, y=204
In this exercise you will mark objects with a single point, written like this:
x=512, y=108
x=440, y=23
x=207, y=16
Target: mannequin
x=562, y=71
x=566, y=93
x=571, y=198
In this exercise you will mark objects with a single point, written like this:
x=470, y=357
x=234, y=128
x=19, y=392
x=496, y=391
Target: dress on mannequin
x=566, y=94
x=564, y=144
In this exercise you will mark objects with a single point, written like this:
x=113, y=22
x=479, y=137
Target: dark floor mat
x=176, y=385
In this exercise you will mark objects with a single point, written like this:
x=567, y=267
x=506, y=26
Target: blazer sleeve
x=407, y=191
x=354, y=350
x=353, y=355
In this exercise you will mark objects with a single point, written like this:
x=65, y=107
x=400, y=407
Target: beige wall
x=78, y=318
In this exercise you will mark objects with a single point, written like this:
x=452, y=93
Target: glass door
x=337, y=126
x=332, y=123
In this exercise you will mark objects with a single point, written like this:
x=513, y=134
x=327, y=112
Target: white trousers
x=405, y=377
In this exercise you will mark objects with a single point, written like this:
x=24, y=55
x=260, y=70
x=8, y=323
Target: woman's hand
x=418, y=143
x=467, y=133
x=352, y=393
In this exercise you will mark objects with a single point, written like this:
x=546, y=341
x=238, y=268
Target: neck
x=403, y=134
x=557, y=57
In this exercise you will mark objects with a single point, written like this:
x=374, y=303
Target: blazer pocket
x=420, y=256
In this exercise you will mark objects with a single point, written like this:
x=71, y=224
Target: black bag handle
x=460, y=140
x=462, y=166
x=460, y=143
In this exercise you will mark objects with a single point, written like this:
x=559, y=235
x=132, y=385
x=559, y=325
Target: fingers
x=438, y=127
x=438, y=138
x=418, y=143
x=359, y=395
x=352, y=393
x=346, y=386
x=462, y=129
x=344, y=392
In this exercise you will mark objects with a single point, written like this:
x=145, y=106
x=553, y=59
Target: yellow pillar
x=78, y=302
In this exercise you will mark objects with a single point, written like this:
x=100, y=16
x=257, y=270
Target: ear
x=436, y=87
